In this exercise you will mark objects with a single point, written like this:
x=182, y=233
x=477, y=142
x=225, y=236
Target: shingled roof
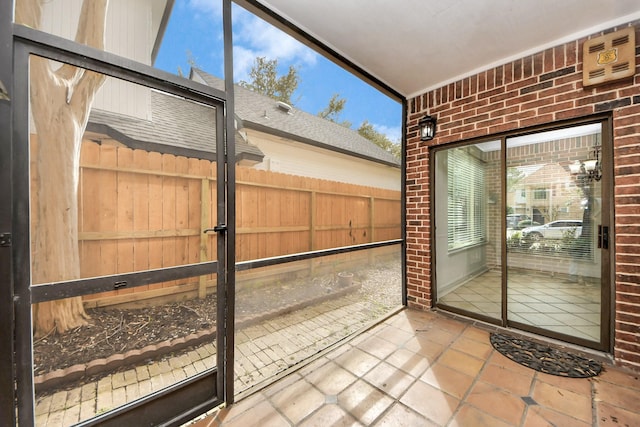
x=178, y=126
x=185, y=128
x=262, y=113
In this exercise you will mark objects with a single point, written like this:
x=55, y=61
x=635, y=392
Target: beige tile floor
x=542, y=300
x=427, y=369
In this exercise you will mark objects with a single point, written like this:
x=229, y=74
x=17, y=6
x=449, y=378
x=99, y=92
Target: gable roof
x=178, y=126
x=547, y=174
x=260, y=112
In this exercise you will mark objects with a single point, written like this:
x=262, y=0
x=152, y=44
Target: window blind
x=465, y=196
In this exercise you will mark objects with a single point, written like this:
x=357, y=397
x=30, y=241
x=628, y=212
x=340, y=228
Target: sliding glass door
x=554, y=261
x=536, y=201
x=467, y=229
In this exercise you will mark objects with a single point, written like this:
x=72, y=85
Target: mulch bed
x=545, y=359
x=117, y=331
x=113, y=331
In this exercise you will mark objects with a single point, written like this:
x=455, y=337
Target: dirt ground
x=114, y=331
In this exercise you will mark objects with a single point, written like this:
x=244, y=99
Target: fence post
x=312, y=222
x=312, y=229
x=372, y=228
x=372, y=216
x=204, y=238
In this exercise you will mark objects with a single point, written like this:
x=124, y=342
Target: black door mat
x=545, y=359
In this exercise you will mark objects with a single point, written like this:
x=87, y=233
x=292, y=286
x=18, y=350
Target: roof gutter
x=161, y=30
x=276, y=132
x=137, y=144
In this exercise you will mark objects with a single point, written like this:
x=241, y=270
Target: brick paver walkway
x=262, y=350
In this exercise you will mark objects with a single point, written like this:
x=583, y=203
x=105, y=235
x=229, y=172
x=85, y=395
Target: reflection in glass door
x=554, y=189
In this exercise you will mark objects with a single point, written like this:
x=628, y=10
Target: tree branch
x=29, y=12
x=61, y=101
x=91, y=31
x=92, y=23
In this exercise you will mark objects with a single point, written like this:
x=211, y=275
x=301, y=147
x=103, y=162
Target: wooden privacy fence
x=142, y=210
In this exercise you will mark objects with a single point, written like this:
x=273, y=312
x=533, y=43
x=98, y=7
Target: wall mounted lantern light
x=427, y=128
x=590, y=169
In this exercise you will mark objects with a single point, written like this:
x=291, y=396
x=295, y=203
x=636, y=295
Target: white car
x=553, y=230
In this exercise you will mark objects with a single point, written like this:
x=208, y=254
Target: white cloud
x=254, y=38
x=242, y=62
x=392, y=132
x=205, y=7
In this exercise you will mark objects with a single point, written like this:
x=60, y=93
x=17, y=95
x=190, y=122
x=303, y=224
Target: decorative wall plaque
x=609, y=57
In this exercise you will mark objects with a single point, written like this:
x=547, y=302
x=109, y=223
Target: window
x=540, y=194
x=465, y=196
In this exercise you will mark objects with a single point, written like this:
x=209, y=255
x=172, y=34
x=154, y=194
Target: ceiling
x=415, y=45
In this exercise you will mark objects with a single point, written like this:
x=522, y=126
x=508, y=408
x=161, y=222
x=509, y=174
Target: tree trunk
x=61, y=101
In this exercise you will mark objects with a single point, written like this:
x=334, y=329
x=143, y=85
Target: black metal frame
x=191, y=397
x=186, y=399
x=20, y=229
x=403, y=197
x=228, y=209
x=7, y=372
x=289, y=28
x=608, y=255
x=258, y=9
x=267, y=262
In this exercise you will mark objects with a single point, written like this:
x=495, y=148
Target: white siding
x=60, y=17
x=124, y=98
x=129, y=25
x=301, y=159
x=130, y=32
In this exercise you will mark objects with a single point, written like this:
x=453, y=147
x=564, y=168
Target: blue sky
x=195, y=30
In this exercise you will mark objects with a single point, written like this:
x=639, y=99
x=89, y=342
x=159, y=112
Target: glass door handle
x=222, y=228
x=603, y=237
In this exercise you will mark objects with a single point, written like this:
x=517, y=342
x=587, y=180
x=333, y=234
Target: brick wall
x=540, y=89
